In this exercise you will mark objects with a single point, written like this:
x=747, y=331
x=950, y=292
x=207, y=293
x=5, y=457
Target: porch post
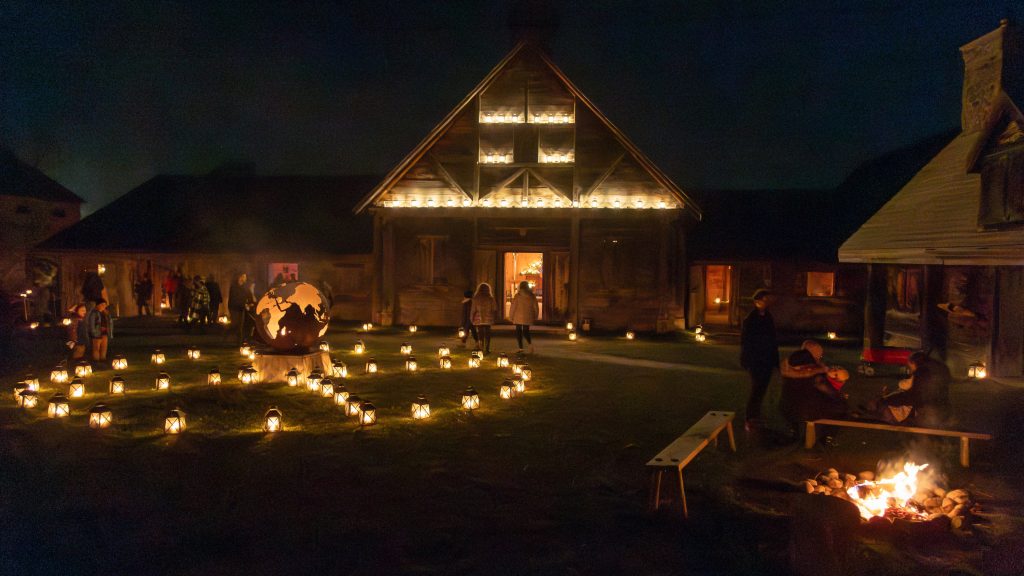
x=933, y=331
x=574, y=270
x=874, y=306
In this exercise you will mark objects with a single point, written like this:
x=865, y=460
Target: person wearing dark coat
x=759, y=354
x=143, y=290
x=808, y=393
x=216, y=298
x=240, y=299
x=922, y=399
x=468, y=329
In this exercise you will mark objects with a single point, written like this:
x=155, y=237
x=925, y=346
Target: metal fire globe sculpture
x=292, y=317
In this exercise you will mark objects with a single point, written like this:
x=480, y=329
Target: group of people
x=197, y=301
x=89, y=332
x=480, y=312
x=813, y=390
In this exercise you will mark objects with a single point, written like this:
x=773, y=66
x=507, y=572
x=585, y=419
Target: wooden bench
x=683, y=449
x=965, y=437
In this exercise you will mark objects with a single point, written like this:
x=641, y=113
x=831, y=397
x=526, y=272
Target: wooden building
x=526, y=180
x=946, y=254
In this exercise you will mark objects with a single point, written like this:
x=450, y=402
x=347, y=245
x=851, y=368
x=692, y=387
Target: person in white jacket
x=523, y=313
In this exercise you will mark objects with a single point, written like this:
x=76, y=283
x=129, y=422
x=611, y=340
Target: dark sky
x=721, y=94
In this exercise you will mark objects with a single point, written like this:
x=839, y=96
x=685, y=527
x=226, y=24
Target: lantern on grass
x=367, y=327
x=520, y=386
x=340, y=395
x=470, y=399
x=59, y=375
x=245, y=349
x=66, y=322
x=313, y=380
x=33, y=325
x=630, y=335
x=569, y=326
x=157, y=357
x=977, y=371
x=445, y=362
x=31, y=382
x=413, y=328
x=119, y=363
x=443, y=350
x=224, y=320
x=405, y=349
x=213, y=377
x=28, y=399
x=339, y=369
x=117, y=385
x=352, y=405
x=371, y=365
x=77, y=388
x=174, y=422
x=831, y=335
x=192, y=353
x=507, y=390
x=100, y=417
x=701, y=336
x=410, y=364
x=18, y=389
x=58, y=406
x=325, y=346
x=367, y=414
x=572, y=336
x=359, y=347
x=272, y=421
x=462, y=333
x=327, y=388
x=473, y=362
x=292, y=377
x=420, y=408
x=83, y=369
x=502, y=361
x=526, y=373
x=163, y=381
x=247, y=375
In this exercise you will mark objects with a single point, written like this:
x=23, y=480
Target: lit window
x=821, y=283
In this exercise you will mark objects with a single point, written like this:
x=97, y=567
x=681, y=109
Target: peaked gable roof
x=624, y=171
x=19, y=179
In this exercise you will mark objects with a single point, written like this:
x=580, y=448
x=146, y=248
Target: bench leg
x=809, y=436
x=655, y=495
x=732, y=439
x=682, y=494
x=965, y=452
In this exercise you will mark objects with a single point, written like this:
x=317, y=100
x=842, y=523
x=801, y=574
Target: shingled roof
x=19, y=179
x=217, y=214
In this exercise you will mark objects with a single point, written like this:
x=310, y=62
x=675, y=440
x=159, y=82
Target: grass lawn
x=550, y=483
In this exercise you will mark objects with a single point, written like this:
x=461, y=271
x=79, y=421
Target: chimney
x=986, y=77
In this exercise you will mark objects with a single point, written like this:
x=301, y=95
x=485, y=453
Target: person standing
x=759, y=354
x=170, y=288
x=143, y=290
x=78, y=333
x=100, y=330
x=483, y=313
x=524, y=312
x=216, y=297
x=199, y=306
x=239, y=299
x=467, y=322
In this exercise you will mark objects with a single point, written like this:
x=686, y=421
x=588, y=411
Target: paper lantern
x=340, y=395
x=83, y=369
x=502, y=361
x=410, y=364
x=462, y=333
x=371, y=366
x=507, y=390
x=77, y=388
x=325, y=346
x=977, y=371
x=119, y=363
x=569, y=326
x=405, y=349
x=445, y=362
x=163, y=381
x=413, y=328
x=352, y=405
x=420, y=408
x=520, y=385
x=192, y=353
x=327, y=388
x=359, y=347
x=28, y=399
x=470, y=399
x=443, y=350
x=525, y=372
x=58, y=406
x=572, y=336
x=31, y=382
x=831, y=335
x=100, y=417
x=292, y=377
x=174, y=422
x=213, y=377
x=59, y=375
x=630, y=335
x=272, y=421
x=367, y=414
x=117, y=385
x=158, y=357
x=339, y=369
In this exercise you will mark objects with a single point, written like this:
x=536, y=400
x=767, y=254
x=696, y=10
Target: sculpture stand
x=274, y=367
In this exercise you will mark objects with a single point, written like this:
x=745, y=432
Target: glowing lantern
x=445, y=362
x=119, y=363
x=174, y=422
x=473, y=362
x=405, y=349
x=272, y=421
x=420, y=408
x=28, y=398
x=977, y=371
x=59, y=375
x=410, y=364
x=502, y=361
x=371, y=366
x=413, y=328
x=325, y=346
x=100, y=417
x=292, y=377
x=630, y=335
x=572, y=336
x=470, y=399
x=213, y=378
x=77, y=388
x=443, y=350
x=245, y=349
x=18, y=389
x=462, y=333
x=66, y=322
x=339, y=369
x=569, y=326
x=340, y=395
x=517, y=367
x=313, y=381
x=117, y=385
x=367, y=414
x=248, y=375
x=58, y=407
x=101, y=269
x=526, y=373
x=507, y=390
x=224, y=320
x=33, y=325
x=163, y=381
x=352, y=406
x=158, y=357
x=83, y=369
x=193, y=353
x=367, y=327
x=520, y=385
x=359, y=348
x=698, y=329
x=327, y=388
x=701, y=337
x=31, y=382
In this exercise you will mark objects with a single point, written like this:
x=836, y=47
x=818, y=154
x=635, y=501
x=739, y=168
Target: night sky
x=720, y=94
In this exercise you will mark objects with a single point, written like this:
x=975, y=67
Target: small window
x=58, y=213
x=22, y=209
x=821, y=283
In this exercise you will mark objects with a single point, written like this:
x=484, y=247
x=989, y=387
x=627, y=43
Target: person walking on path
x=483, y=313
x=143, y=290
x=467, y=321
x=100, y=330
x=759, y=354
x=524, y=312
x=78, y=333
x=216, y=297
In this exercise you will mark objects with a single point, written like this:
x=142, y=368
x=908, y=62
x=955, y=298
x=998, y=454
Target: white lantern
x=526, y=373
x=339, y=369
x=101, y=269
x=443, y=350
x=83, y=369
x=340, y=395
x=193, y=353
x=248, y=375
x=77, y=388
x=473, y=362
x=272, y=420
x=371, y=366
x=502, y=361
x=313, y=381
x=572, y=336
x=367, y=414
x=100, y=417
x=158, y=357
x=507, y=390
x=520, y=385
x=66, y=322
x=462, y=333
x=977, y=371
x=410, y=364
x=405, y=349
x=58, y=407
x=213, y=377
x=59, y=375
x=445, y=362
x=163, y=381
x=28, y=399
x=359, y=347
x=831, y=335
x=117, y=385
x=174, y=422
x=33, y=325
x=18, y=389
x=325, y=346
x=569, y=326
x=701, y=337
x=119, y=363
x=31, y=382
x=327, y=388
x=413, y=328
x=352, y=406
x=420, y=408
x=470, y=399
x=630, y=335
x=245, y=349
x=367, y=327
x=224, y=320
x=292, y=377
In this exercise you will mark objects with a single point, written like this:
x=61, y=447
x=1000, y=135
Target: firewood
x=835, y=483
x=934, y=515
x=940, y=492
x=958, y=495
x=947, y=505
x=849, y=480
x=833, y=473
x=866, y=476
x=933, y=503
x=809, y=486
x=957, y=510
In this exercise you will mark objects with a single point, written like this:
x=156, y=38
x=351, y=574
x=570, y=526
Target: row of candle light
x=594, y=202
x=520, y=118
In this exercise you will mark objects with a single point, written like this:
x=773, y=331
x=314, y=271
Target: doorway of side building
x=518, y=267
x=717, y=294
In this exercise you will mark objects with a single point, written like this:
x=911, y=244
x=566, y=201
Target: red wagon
x=871, y=358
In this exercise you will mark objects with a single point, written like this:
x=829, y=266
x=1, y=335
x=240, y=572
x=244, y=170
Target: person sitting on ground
x=811, y=390
x=921, y=399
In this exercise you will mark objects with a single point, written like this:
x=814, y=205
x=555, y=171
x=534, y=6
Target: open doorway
x=717, y=293
x=520, y=266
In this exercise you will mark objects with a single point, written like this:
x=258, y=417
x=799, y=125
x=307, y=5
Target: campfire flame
x=889, y=496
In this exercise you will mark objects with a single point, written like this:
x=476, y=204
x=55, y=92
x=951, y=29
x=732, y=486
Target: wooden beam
x=874, y=306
